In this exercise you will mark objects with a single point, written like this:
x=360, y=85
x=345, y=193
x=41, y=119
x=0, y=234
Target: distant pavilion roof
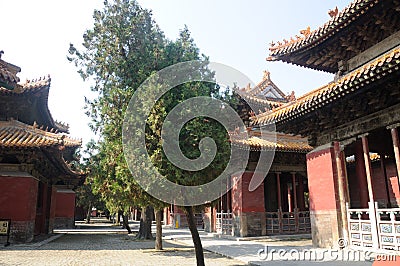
x=265, y=95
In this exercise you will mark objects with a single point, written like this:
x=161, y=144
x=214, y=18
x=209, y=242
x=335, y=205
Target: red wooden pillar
x=342, y=186
x=395, y=139
x=302, y=206
x=295, y=210
x=368, y=168
x=294, y=190
x=361, y=174
x=279, y=195
x=228, y=195
x=165, y=214
x=214, y=219
x=278, y=184
x=289, y=197
x=285, y=203
x=384, y=174
x=208, y=223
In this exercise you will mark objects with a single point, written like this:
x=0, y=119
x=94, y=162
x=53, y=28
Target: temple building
x=352, y=123
x=37, y=159
x=280, y=204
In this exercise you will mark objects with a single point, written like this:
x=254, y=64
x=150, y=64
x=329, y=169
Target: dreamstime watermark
x=340, y=253
x=134, y=143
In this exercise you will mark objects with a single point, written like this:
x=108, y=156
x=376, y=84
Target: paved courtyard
x=100, y=243
x=104, y=249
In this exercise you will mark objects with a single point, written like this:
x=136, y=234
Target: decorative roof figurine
x=306, y=31
x=333, y=12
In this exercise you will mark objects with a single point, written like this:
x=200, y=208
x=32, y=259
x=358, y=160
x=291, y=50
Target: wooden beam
x=361, y=125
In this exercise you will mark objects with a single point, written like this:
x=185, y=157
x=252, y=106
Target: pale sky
x=35, y=36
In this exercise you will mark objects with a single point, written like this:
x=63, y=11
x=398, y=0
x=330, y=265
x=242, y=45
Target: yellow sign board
x=4, y=227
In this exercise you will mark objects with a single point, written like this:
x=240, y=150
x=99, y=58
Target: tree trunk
x=125, y=223
x=88, y=214
x=118, y=218
x=158, y=214
x=145, y=223
x=195, y=236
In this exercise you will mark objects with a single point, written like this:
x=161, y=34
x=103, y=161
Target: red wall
x=53, y=205
x=18, y=197
x=393, y=181
x=65, y=205
x=41, y=212
x=378, y=183
x=244, y=200
x=321, y=180
x=236, y=194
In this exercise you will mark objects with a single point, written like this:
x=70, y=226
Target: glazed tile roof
x=40, y=87
x=349, y=83
x=15, y=134
x=312, y=38
x=29, y=86
x=278, y=142
x=264, y=102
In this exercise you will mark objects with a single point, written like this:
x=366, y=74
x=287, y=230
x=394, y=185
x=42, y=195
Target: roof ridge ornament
x=41, y=82
x=291, y=97
x=306, y=31
x=267, y=75
x=274, y=46
x=333, y=12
